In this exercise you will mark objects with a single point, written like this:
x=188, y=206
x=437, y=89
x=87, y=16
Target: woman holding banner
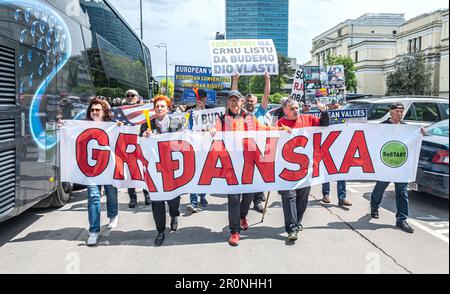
x=237, y=119
x=100, y=111
x=296, y=201
x=161, y=124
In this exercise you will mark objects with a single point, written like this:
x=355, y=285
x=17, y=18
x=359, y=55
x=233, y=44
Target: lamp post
x=164, y=45
x=142, y=29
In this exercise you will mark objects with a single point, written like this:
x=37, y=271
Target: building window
x=409, y=46
x=414, y=44
x=356, y=56
x=394, y=32
x=419, y=44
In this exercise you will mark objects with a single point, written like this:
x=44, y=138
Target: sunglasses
x=95, y=110
x=131, y=96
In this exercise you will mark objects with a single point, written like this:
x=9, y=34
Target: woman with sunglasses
x=162, y=124
x=295, y=201
x=100, y=111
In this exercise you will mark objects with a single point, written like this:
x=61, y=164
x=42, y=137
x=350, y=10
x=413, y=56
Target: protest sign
x=298, y=88
x=172, y=164
x=345, y=116
x=189, y=77
x=246, y=57
x=312, y=83
x=203, y=120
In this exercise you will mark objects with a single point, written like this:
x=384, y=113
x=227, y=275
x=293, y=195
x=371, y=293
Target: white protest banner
x=246, y=57
x=298, y=88
x=203, y=120
x=172, y=164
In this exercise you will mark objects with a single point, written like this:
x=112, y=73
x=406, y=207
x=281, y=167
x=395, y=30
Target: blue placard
x=189, y=77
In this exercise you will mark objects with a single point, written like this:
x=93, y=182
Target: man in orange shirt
x=237, y=119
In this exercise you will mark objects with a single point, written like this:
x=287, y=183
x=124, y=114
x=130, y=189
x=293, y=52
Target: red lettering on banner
x=364, y=160
x=122, y=157
x=210, y=170
x=253, y=156
x=322, y=152
x=100, y=156
x=290, y=156
x=167, y=166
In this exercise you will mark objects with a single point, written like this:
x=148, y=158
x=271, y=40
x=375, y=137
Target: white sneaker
x=93, y=238
x=113, y=222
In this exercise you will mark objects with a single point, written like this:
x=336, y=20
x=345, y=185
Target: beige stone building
x=376, y=41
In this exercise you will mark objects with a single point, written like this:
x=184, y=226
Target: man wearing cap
x=238, y=119
x=259, y=112
x=401, y=191
x=132, y=98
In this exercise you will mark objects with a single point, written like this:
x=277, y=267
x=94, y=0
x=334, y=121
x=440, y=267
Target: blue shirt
x=260, y=113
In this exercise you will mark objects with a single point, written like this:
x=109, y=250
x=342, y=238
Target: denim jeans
x=341, y=191
x=94, y=208
x=194, y=198
x=401, y=198
x=294, y=203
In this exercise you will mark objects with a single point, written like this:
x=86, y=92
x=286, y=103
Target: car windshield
x=374, y=110
x=438, y=129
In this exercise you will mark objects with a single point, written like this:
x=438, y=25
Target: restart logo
x=394, y=154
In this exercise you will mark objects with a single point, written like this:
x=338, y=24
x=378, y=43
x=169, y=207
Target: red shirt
x=304, y=120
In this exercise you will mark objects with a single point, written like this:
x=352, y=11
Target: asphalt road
x=335, y=240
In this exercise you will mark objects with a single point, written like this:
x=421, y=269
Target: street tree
x=412, y=76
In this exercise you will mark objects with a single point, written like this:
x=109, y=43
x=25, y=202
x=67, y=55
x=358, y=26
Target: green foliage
x=351, y=83
x=411, y=77
x=273, y=99
x=162, y=85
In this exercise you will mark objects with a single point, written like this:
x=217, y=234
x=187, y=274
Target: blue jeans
x=401, y=198
x=94, y=205
x=194, y=198
x=342, y=193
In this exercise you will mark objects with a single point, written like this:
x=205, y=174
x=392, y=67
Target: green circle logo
x=394, y=154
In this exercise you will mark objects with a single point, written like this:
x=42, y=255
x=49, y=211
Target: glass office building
x=259, y=19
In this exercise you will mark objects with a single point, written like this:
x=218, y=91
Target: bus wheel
x=62, y=194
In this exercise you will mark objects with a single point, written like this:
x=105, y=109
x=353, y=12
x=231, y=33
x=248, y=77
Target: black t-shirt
x=388, y=121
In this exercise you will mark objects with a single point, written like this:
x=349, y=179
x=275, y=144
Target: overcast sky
x=186, y=26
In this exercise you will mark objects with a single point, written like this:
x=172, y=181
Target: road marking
x=429, y=217
x=429, y=231
x=352, y=190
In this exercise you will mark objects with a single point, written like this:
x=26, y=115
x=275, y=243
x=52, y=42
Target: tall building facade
x=377, y=41
x=259, y=19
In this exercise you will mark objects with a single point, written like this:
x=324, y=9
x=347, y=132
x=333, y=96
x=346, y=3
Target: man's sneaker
x=404, y=226
x=204, y=202
x=132, y=203
x=159, y=240
x=92, y=240
x=374, y=214
x=174, y=223
x=113, y=222
x=344, y=202
x=244, y=224
x=191, y=208
x=326, y=199
x=234, y=239
x=293, y=236
x=147, y=200
x=259, y=208
x=300, y=227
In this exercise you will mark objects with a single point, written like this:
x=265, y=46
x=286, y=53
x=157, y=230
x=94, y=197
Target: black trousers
x=238, y=207
x=294, y=206
x=258, y=198
x=159, y=212
x=133, y=195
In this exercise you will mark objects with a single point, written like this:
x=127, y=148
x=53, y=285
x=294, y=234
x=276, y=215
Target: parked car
x=419, y=110
x=432, y=173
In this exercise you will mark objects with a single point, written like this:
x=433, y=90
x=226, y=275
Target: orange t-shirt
x=304, y=120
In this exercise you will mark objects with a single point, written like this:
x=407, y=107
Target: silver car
x=419, y=110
